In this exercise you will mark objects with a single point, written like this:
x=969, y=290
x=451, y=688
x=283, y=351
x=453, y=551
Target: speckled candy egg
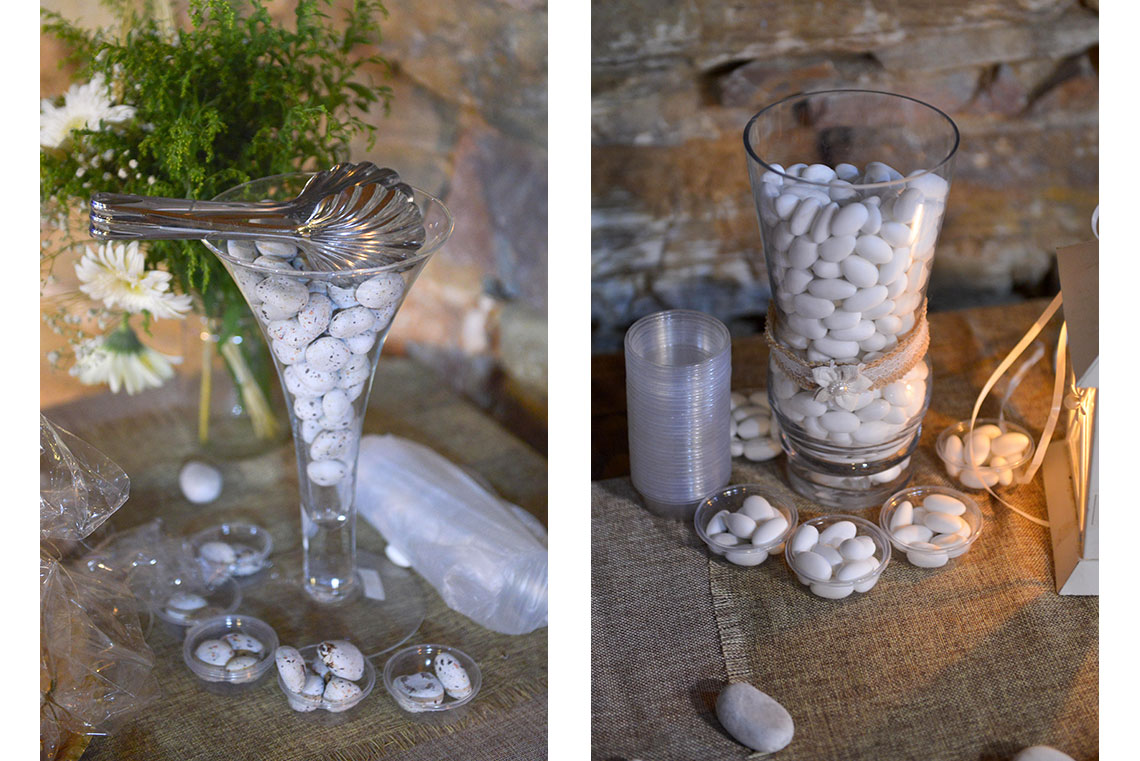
x=214, y=652
x=242, y=642
x=340, y=690
x=314, y=686
x=452, y=675
x=185, y=602
x=241, y=662
x=326, y=472
x=291, y=667
x=350, y=322
x=277, y=249
x=249, y=560
x=423, y=688
x=343, y=658
x=344, y=298
x=380, y=291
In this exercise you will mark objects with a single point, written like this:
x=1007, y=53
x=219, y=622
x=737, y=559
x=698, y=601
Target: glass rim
x=719, y=329
x=873, y=185
x=400, y=265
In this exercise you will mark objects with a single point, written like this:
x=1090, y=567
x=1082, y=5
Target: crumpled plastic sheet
x=96, y=670
x=80, y=487
x=148, y=558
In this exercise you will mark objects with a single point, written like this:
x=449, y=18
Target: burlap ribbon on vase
x=843, y=383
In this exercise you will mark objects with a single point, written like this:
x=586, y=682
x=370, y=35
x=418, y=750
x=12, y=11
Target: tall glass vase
x=325, y=331
x=850, y=188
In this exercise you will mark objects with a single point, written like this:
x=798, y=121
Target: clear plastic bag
x=484, y=561
x=96, y=670
x=79, y=486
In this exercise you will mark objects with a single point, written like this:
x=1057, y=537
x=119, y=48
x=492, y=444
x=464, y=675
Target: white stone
x=754, y=719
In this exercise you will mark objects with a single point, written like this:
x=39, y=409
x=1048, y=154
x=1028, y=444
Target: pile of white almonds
x=755, y=433
x=829, y=562
x=848, y=264
x=986, y=457
x=933, y=532
x=745, y=536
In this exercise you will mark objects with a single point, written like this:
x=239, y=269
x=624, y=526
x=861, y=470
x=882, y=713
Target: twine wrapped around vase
x=843, y=383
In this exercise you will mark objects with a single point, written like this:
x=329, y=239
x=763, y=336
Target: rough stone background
x=468, y=124
x=674, y=82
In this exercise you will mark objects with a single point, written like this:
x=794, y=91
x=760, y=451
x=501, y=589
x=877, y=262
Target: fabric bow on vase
x=842, y=383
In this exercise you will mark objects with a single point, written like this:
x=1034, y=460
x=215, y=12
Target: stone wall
x=674, y=82
x=468, y=123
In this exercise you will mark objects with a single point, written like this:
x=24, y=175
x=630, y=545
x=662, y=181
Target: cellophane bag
x=96, y=670
x=484, y=561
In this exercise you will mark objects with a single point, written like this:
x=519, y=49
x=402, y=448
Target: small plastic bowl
x=970, y=477
x=216, y=628
x=308, y=703
x=731, y=498
x=221, y=598
x=419, y=658
x=835, y=589
x=925, y=557
x=252, y=545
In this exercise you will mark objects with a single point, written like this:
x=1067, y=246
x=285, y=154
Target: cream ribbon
x=1054, y=409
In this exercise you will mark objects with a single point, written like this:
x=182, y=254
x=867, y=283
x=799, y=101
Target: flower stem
x=265, y=425
x=204, y=393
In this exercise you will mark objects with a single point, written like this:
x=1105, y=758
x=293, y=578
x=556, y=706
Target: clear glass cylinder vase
x=325, y=331
x=850, y=188
x=241, y=412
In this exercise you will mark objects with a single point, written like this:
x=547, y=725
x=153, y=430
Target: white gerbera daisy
x=84, y=107
x=121, y=361
x=114, y=274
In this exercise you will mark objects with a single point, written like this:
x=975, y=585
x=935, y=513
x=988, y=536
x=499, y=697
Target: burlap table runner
x=151, y=434
x=972, y=661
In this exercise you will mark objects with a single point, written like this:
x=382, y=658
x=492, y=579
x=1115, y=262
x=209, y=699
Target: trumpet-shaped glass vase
x=325, y=331
x=850, y=189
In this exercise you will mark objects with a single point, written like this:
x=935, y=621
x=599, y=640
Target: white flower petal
x=85, y=106
x=131, y=371
x=115, y=275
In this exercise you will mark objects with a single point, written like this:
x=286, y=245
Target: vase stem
x=330, y=556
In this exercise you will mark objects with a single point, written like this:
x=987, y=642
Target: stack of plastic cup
x=678, y=379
